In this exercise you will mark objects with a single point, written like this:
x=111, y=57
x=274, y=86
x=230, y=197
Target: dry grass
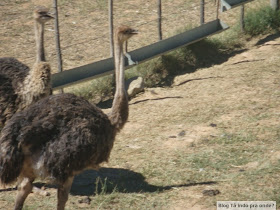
x=84, y=24
x=214, y=129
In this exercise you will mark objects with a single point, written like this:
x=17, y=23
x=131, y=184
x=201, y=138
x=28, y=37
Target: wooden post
x=126, y=46
x=159, y=21
x=242, y=24
x=111, y=27
x=111, y=31
x=57, y=38
x=218, y=8
x=201, y=12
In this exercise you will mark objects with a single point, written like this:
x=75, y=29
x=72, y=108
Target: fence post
x=218, y=8
x=242, y=24
x=159, y=21
x=201, y=12
x=57, y=38
x=111, y=27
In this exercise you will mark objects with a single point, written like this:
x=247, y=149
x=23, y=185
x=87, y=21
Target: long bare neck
x=39, y=36
x=119, y=113
x=119, y=67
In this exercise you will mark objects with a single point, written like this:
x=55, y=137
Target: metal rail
x=104, y=67
x=230, y=4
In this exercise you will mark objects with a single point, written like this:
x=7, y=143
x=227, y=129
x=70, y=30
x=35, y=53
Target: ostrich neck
x=37, y=83
x=39, y=36
x=119, y=68
x=119, y=113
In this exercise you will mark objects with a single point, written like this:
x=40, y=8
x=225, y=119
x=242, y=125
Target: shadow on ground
x=106, y=180
x=156, y=99
x=202, y=54
x=109, y=103
x=123, y=180
x=268, y=38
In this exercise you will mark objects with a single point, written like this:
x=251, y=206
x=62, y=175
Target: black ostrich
x=62, y=135
x=19, y=85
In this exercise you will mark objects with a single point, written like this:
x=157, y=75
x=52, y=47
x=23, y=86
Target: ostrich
x=61, y=135
x=20, y=86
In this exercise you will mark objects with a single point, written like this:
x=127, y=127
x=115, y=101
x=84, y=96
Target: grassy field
x=211, y=135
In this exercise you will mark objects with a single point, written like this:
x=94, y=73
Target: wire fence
x=135, y=23
x=85, y=36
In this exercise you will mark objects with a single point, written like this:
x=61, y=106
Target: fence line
x=159, y=21
x=195, y=6
x=242, y=23
x=103, y=36
x=202, y=6
x=111, y=26
x=57, y=39
x=104, y=67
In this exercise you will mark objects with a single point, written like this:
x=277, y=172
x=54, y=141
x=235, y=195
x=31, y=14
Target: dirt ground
x=172, y=130
x=164, y=122
x=157, y=116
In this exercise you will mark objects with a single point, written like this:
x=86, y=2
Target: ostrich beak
x=49, y=15
x=133, y=31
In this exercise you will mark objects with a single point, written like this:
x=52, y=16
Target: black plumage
x=12, y=73
x=61, y=135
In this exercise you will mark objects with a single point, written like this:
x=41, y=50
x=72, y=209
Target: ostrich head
x=42, y=14
x=123, y=33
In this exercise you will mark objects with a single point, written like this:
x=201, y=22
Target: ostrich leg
x=24, y=188
x=63, y=192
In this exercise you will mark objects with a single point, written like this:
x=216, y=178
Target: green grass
x=96, y=90
x=161, y=71
x=262, y=21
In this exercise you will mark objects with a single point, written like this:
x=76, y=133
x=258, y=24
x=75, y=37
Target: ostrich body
x=19, y=85
x=61, y=135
